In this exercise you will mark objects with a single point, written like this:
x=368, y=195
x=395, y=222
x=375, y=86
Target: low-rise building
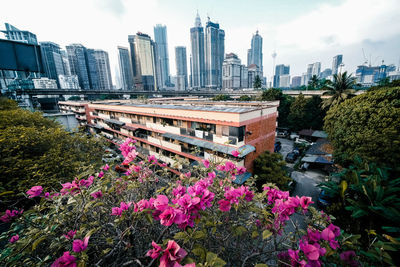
x=189, y=130
x=44, y=83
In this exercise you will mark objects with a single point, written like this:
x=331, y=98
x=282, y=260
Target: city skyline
x=289, y=29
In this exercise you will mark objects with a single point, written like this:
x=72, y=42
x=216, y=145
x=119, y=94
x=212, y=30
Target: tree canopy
x=340, y=89
x=257, y=82
x=35, y=149
x=367, y=125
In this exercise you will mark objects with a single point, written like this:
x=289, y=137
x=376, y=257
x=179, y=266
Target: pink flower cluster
x=233, y=195
x=77, y=246
x=117, y=211
x=128, y=150
x=35, y=191
x=172, y=255
x=9, y=214
x=65, y=260
x=14, y=238
x=284, y=206
x=232, y=169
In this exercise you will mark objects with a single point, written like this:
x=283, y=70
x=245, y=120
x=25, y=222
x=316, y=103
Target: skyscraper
x=15, y=34
x=234, y=74
x=181, y=68
x=77, y=60
x=280, y=70
x=162, y=59
x=254, y=54
x=337, y=60
x=197, y=58
x=125, y=68
x=103, y=69
x=214, y=43
x=67, y=68
x=316, y=69
x=91, y=64
x=52, y=60
x=143, y=51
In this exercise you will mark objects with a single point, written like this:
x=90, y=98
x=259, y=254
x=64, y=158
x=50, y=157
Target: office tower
x=253, y=71
x=279, y=71
x=214, y=43
x=197, y=57
x=284, y=81
x=67, y=68
x=103, y=69
x=125, y=68
x=234, y=74
x=254, y=54
x=142, y=52
x=296, y=81
x=244, y=77
x=337, y=60
x=52, y=60
x=326, y=73
x=309, y=71
x=162, y=59
x=304, y=79
x=15, y=34
x=316, y=69
x=78, y=64
x=69, y=82
x=92, y=69
x=181, y=68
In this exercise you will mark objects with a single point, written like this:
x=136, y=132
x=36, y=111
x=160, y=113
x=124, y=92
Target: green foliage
x=384, y=83
x=272, y=94
x=340, y=89
x=313, y=83
x=367, y=125
x=7, y=104
x=221, y=98
x=37, y=150
x=74, y=97
x=270, y=168
x=298, y=112
x=257, y=82
x=245, y=98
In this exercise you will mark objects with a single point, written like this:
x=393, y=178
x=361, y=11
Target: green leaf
x=6, y=193
x=199, y=251
x=254, y=234
x=37, y=242
x=199, y=235
x=240, y=230
x=214, y=261
x=180, y=236
x=261, y=265
x=266, y=234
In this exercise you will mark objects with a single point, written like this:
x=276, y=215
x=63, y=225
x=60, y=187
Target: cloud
x=116, y=7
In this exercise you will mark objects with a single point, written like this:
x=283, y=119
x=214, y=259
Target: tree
x=74, y=98
x=271, y=94
x=245, y=98
x=35, y=149
x=270, y=168
x=298, y=112
x=257, y=82
x=221, y=98
x=367, y=125
x=314, y=82
x=340, y=90
x=314, y=114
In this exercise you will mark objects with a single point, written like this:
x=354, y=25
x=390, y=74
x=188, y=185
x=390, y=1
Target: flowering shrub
x=144, y=216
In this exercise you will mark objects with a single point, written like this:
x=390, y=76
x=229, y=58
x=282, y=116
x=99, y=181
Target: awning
x=129, y=128
x=244, y=150
x=316, y=159
x=240, y=179
x=96, y=126
x=117, y=122
x=319, y=134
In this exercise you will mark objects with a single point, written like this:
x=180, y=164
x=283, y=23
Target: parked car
x=293, y=136
x=302, y=141
x=324, y=200
x=291, y=157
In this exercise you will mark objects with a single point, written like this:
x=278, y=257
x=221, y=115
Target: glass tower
x=162, y=59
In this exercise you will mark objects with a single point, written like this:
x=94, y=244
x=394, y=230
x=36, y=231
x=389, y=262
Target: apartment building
x=77, y=107
x=190, y=130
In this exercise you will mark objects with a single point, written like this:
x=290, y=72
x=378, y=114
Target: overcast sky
x=301, y=31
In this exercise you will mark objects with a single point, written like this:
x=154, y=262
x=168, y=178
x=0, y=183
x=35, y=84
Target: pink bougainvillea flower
x=79, y=245
x=14, y=238
x=155, y=252
x=70, y=234
x=97, y=194
x=172, y=254
x=116, y=211
x=101, y=174
x=224, y=205
x=334, y=229
x=106, y=167
x=313, y=235
x=211, y=175
x=143, y=204
x=66, y=260
x=206, y=163
x=161, y=202
x=35, y=191
x=311, y=251
x=170, y=216
x=235, y=153
x=305, y=201
x=125, y=206
x=229, y=166
x=152, y=159
x=348, y=257
x=8, y=215
x=188, y=174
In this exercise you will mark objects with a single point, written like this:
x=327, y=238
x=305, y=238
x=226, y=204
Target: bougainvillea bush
x=138, y=214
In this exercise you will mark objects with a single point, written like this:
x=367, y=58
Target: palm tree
x=314, y=82
x=340, y=90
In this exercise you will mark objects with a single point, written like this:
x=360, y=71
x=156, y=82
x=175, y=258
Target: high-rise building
x=142, y=50
x=231, y=72
x=316, y=70
x=337, y=60
x=67, y=68
x=284, y=81
x=197, y=64
x=91, y=63
x=162, y=59
x=371, y=75
x=181, y=68
x=103, y=69
x=69, y=82
x=253, y=71
x=326, y=73
x=214, y=43
x=280, y=70
x=15, y=34
x=296, y=81
x=78, y=64
x=52, y=60
x=254, y=54
x=125, y=68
